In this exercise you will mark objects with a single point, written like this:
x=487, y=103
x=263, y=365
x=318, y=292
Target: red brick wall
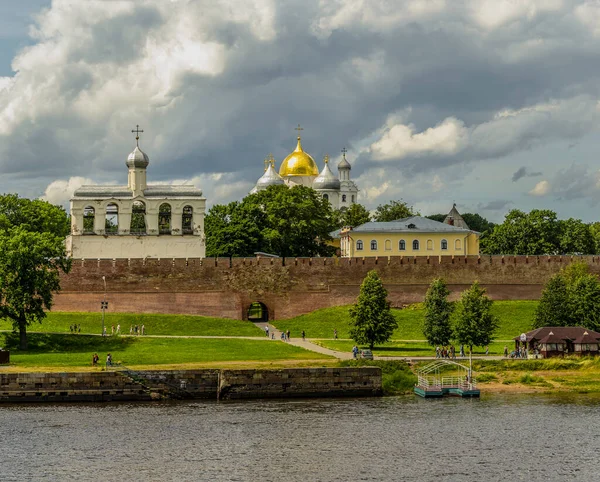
x=225, y=288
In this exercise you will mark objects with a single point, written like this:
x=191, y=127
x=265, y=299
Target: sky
x=491, y=104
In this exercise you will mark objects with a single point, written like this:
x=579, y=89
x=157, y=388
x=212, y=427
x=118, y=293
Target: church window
x=444, y=244
x=411, y=226
x=429, y=244
x=388, y=245
x=111, y=222
x=402, y=245
x=187, y=219
x=373, y=245
x=343, y=198
x=352, y=197
x=359, y=245
x=416, y=245
x=326, y=197
x=457, y=245
x=164, y=219
x=138, y=218
x=89, y=216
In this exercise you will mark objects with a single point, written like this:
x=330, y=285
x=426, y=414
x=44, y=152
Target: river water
x=499, y=437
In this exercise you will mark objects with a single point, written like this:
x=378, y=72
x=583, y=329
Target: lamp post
x=104, y=304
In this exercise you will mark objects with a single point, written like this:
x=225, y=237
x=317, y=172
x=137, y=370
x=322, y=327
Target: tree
x=474, y=324
x=437, y=327
x=371, y=320
x=533, y=233
x=33, y=215
x=576, y=237
x=553, y=308
x=279, y=220
x=394, y=210
x=354, y=216
x=30, y=266
x=437, y=217
x=570, y=298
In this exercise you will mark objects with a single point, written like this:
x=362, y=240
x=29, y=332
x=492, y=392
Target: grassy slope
x=405, y=349
x=515, y=318
x=155, y=324
x=77, y=350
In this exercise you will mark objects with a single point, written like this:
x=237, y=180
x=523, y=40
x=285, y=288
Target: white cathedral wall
x=114, y=247
x=299, y=180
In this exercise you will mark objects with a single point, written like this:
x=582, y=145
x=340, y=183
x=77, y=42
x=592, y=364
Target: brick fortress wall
x=225, y=288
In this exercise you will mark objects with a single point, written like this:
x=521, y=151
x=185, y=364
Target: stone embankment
x=127, y=385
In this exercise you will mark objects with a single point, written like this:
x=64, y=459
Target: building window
x=359, y=245
x=416, y=245
x=164, y=219
x=326, y=197
x=111, y=223
x=352, y=197
x=429, y=244
x=402, y=245
x=138, y=218
x=388, y=245
x=444, y=245
x=89, y=216
x=186, y=220
x=343, y=198
x=373, y=245
x=457, y=245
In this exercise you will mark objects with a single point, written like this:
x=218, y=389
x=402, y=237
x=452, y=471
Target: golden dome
x=298, y=163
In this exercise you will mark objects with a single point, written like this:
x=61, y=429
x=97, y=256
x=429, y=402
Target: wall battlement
x=291, y=286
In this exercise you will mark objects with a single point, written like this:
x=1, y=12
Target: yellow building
x=414, y=236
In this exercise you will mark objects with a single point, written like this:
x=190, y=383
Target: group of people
x=285, y=335
x=75, y=328
x=137, y=329
x=448, y=352
x=96, y=359
x=519, y=352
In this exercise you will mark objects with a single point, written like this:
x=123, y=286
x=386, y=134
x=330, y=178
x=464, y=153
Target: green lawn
x=49, y=350
x=406, y=349
x=515, y=317
x=155, y=324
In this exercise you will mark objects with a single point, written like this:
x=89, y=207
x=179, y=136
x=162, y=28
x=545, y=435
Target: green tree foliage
x=371, y=321
x=576, y=237
x=33, y=215
x=394, y=210
x=534, y=233
x=354, y=216
x=279, y=220
x=474, y=324
x=478, y=223
x=570, y=298
x=437, y=217
x=30, y=266
x=437, y=327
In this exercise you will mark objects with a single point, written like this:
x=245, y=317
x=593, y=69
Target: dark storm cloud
x=522, y=172
x=272, y=68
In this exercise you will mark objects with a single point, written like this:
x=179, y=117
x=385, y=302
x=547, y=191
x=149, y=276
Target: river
x=500, y=437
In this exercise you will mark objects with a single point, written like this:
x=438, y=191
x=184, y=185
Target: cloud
x=61, y=191
x=451, y=142
x=496, y=205
x=421, y=91
x=522, y=172
x=541, y=189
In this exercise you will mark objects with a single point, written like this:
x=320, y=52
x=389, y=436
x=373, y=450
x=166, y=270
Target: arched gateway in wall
x=257, y=311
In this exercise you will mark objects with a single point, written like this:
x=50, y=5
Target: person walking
x=303, y=335
x=143, y=329
x=118, y=332
x=354, y=351
x=287, y=334
x=109, y=360
x=267, y=331
x=505, y=351
x=335, y=334
x=487, y=350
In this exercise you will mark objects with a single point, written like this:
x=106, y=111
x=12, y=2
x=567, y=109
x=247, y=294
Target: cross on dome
x=137, y=132
x=298, y=129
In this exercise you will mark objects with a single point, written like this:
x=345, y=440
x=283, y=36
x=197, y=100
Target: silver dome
x=344, y=164
x=137, y=158
x=326, y=179
x=269, y=178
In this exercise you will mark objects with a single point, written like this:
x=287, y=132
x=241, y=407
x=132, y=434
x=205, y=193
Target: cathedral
x=299, y=168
